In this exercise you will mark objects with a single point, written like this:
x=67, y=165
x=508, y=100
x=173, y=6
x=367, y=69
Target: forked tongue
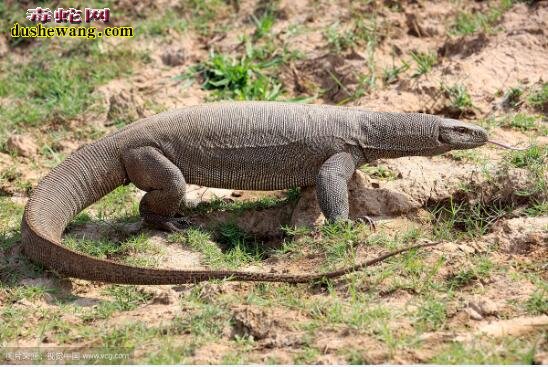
x=506, y=146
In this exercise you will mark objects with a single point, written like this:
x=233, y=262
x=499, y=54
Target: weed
x=510, y=350
x=512, y=97
x=480, y=270
x=459, y=97
x=361, y=32
x=431, y=314
x=62, y=89
x=379, y=172
x=264, y=24
x=391, y=75
x=537, y=304
x=534, y=160
x=160, y=25
x=238, y=78
x=451, y=218
x=538, y=98
x=468, y=23
x=521, y=122
x=537, y=208
x=425, y=61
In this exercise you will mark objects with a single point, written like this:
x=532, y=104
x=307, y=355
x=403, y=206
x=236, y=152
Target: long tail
x=82, y=179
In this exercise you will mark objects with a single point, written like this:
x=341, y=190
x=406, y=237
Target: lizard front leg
x=164, y=184
x=332, y=185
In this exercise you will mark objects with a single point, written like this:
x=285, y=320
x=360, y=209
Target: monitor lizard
x=236, y=145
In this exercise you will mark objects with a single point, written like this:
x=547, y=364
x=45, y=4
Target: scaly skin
x=246, y=145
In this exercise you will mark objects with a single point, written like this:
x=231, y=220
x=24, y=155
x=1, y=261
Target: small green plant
x=431, y=315
x=379, y=172
x=361, y=32
x=264, y=24
x=521, y=121
x=538, y=98
x=425, y=61
x=512, y=97
x=537, y=304
x=391, y=75
x=479, y=270
x=534, y=160
x=537, y=208
x=339, y=41
x=468, y=23
x=469, y=219
x=459, y=97
x=242, y=78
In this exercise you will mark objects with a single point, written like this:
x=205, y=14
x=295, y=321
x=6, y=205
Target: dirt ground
x=481, y=296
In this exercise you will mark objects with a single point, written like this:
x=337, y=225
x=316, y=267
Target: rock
x=363, y=199
x=22, y=145
x=160, y=295
x=484, y=307
x=521, y=235
x=125, y=106
x=196, y=195
x=514, y=327
x=474, y=315
x=174, y=56
x=251, y=321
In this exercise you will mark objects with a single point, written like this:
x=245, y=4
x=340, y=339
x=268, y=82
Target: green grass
x=424, y=62
x=161, y=25
x=534, y=160
x=469, y=23
x=236, y=248
x=240, y=206
x=524, y=122
x=509, y=350
x=122, y=298
x=479, y=270
x=238, y=78
x=512, y=97
x=264, y=24
x=362, y=32
x=431, y=314
x=459, y=97
x=207, y=17
x=379, y=172
x=457, y=219
x=135, y=250
x=51, y=88
x=392, y=74
x=538, y=97
x=537, y=303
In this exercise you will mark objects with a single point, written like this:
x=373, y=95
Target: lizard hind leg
x=164, y=184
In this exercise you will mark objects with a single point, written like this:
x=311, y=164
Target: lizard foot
x=174, y=224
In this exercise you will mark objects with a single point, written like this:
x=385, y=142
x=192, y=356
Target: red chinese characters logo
x=70, y=15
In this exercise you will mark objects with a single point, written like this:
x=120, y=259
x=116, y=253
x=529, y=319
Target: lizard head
x=455, y=134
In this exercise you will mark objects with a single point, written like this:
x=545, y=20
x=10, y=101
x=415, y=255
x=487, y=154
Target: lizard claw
x=367, y=220
x=174, y=225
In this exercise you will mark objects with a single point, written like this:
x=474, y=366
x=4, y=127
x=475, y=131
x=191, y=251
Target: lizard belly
x=257, y=168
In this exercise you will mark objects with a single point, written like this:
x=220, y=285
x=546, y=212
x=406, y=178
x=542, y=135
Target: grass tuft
x=424, y=61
